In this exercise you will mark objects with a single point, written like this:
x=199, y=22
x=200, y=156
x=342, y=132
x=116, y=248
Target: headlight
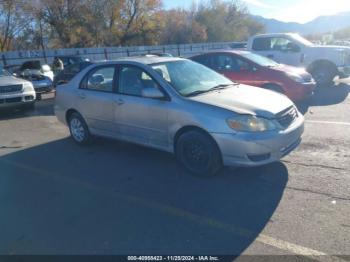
x=27, y=87
x=249, y=123
x=295, y=77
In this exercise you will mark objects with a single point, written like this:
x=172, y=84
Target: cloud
x=258, y=3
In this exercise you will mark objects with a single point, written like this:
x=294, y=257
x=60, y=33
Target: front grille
x=10, y=89
x=11, y=100
x=287, y=117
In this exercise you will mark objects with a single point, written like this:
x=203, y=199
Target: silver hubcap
x=77, y=130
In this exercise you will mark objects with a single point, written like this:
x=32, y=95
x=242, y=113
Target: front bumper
x=43, y=87
x=254, y=149
x=17, y=99
x=301, y=91
x=344, y=71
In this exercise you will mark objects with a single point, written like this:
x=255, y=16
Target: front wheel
x=324, y=74
x=198, y=153
x=78, y=129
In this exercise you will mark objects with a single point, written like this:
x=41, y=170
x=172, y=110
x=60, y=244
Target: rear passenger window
x=203, y=59
x=100, y=79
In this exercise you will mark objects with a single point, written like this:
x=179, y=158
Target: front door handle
x=81, y=95
x=270, y=56
x=119, y=101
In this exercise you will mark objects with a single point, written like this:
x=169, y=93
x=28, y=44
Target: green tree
x=226, y=21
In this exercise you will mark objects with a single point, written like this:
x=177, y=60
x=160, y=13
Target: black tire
x=79, y=130
x=198, y=153
x=324, y=74
x=274, y=87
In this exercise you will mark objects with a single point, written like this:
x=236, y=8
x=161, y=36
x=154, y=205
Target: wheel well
x=69, y=113
x=321, y=62
x=190, y=128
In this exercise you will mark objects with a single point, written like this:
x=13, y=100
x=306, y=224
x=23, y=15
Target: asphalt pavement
x=117, y=198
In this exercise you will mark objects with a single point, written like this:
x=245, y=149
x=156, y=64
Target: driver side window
x=132, y=80
x=282, y=44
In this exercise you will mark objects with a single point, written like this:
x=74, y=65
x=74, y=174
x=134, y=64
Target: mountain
x=322, y=24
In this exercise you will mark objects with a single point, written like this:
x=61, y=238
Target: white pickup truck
x=324, y=63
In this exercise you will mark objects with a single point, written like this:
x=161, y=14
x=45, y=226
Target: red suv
x=255, y=70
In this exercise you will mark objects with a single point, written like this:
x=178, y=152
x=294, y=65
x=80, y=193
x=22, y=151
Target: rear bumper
x=249, y=149
x=13, y=100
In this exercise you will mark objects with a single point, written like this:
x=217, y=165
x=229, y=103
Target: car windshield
x=190, y=78
x=3, y=72
x=302, y=40
x=260, y=60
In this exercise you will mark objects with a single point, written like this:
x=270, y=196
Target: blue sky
x=285, y=10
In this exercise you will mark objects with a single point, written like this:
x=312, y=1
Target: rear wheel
x=78, y=129
x=198, y=153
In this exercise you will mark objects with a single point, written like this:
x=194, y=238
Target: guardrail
x=109, y=53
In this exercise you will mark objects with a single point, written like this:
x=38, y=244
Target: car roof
x=275, y=35
x=230, y=51
x=142, y=60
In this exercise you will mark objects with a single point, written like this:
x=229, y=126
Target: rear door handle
x=270, y=56
x=119, y=101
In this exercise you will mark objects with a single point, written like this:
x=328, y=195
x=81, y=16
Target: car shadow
x=42, y=108
x=325, y=97
x=118, y=198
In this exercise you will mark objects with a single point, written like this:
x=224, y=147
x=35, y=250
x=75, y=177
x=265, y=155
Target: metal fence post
x=4, y=60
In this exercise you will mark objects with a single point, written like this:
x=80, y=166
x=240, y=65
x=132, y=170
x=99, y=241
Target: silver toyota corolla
x=181, y=107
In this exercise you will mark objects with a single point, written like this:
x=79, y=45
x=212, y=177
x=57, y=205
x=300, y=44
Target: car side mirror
x=152, y=92
x=97, y=79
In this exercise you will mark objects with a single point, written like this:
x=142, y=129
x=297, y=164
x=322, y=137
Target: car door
x=141, y=120
x=281, y=49
x=96, y=100
x=286, y=51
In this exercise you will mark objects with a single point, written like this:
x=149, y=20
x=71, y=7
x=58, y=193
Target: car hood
x=243, y=99
x=292, y=69
x=10, y=80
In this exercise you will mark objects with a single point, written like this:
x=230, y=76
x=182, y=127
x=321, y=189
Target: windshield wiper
x=218, y=87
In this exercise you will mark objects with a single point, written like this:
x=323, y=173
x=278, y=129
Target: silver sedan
x=181, y=107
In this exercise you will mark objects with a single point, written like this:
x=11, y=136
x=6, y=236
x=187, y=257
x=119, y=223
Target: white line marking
x=177, y=212
x=328, y=122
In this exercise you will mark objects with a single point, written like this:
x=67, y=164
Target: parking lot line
x=328, y=122
x=261, y=238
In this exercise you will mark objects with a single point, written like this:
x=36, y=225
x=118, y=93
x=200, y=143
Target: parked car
x=182, y=107
x=69, y=72
x=322, y=62
x=35, y=67
x=68, y=60
x=15, y=92
x=42, y=84
x=252, y=69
